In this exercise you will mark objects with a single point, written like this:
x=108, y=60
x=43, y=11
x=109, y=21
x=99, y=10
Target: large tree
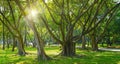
x=69, y=15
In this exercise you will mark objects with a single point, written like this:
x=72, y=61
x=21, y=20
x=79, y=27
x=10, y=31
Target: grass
x=87, y=57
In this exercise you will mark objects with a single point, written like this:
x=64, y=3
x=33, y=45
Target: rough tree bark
x=20, y=45
x=68, y=49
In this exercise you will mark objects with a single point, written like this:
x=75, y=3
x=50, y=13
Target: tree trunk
x=94, y=43
x=25, y=36
x=40, y=50
x=68, y=49
x=109, y=42
x=14, y=43
x=83, y=42
x=41, y=55
x=34, y=43
x=102, y=43
x=3, y=38
x=7, y=41
x=20, y=45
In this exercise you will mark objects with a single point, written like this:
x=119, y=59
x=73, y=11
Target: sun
x=33, y=13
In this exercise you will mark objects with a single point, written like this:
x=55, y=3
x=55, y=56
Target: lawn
x=86, y=57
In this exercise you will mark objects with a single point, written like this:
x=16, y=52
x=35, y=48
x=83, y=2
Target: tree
x=112, y=33
x=41, y=55
x=12, y=24
x=72, y=15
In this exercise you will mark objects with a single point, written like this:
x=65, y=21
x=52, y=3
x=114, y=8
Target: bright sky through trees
x=118, y=1
x=33, y=13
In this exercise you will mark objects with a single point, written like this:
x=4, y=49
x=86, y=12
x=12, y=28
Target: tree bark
x=25, y=36
x=41, y=55
x=94, y=43
x=14, y=43
x=108, y=41
x=8, y=41
x=34, y=43
x=20, y=45
x=3, y=38
x=83, y=42
x=68, y=49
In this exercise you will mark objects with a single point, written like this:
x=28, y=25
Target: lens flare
x=33, y=13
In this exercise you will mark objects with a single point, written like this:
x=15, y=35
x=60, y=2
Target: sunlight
x=117, y=1
x=34, y=13
x=31, y=13
x=47, y=1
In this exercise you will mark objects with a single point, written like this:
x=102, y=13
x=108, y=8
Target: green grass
x=87, y=57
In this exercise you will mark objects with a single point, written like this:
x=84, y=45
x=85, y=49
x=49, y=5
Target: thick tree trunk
x=68, y=49
x=94, y=43
x=20, y=44
x=83, y=42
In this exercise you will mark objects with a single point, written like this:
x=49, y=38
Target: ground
x=86, y=57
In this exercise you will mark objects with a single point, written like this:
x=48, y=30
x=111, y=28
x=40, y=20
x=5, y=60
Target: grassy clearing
x=88, y=57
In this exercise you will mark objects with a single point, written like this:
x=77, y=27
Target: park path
x=105, y=49
x=110, y=49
